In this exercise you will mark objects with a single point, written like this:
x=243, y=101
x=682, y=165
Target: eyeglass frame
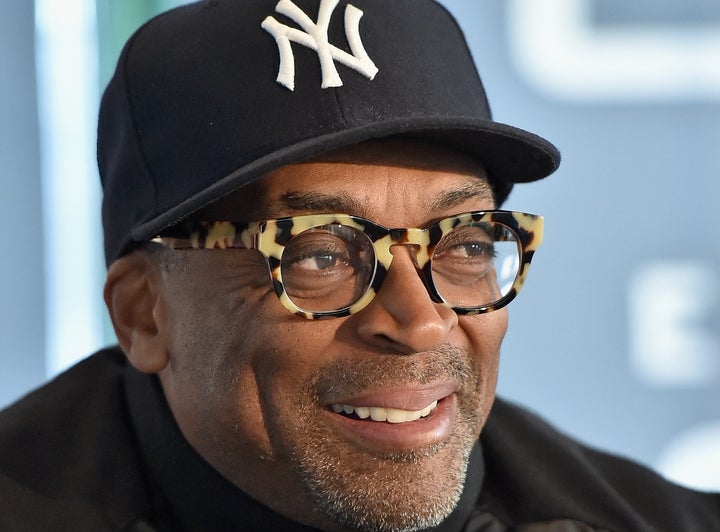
x=192, y=234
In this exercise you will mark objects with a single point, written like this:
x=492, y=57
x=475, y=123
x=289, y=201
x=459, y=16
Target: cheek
x=214, y=303
x=292, y=352
x=486, y=333
x=209, y=381
x=262, y=383
x=239, y=377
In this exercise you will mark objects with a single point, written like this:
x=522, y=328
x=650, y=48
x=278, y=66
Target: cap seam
x=133, y=119
x=340, y=109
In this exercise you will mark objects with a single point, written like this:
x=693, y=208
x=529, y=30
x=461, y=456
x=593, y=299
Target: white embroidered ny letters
x=315, y=37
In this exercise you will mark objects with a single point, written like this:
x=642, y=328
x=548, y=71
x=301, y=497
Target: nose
x=402, y=316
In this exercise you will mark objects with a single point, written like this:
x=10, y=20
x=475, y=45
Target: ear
x=132, y=295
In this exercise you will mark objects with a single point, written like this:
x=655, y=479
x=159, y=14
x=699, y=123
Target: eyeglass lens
x=330, y=267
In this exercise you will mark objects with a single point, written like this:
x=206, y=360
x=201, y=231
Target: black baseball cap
x=212, y=95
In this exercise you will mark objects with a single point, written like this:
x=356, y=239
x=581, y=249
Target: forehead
x=363, y=179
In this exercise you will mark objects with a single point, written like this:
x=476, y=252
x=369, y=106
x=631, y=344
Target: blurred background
x=616, y=336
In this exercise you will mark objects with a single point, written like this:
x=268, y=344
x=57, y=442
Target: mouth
x=383, y=414
x=406, y=420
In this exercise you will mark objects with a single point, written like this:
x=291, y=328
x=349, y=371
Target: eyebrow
x=309, y=202
x=472, y=190
x=319, y=202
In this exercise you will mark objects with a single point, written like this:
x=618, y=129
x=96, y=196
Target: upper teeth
x=378, y=413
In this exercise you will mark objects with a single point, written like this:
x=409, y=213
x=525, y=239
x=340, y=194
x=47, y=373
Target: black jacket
x=72, y=458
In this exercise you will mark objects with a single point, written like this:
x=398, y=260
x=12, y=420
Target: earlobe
x=133, y=300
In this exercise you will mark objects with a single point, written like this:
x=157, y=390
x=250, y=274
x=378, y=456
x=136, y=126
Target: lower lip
x=430, y=430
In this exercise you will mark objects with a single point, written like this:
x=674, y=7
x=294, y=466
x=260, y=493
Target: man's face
x=256, y=389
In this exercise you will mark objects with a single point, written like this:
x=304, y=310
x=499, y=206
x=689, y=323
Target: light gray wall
x=21, y=305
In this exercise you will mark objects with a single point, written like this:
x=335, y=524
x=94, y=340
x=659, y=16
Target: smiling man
x=336, y=414
x=308, y=275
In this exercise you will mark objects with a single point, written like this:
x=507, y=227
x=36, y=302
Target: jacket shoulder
x=67, y=451
x=536, y=473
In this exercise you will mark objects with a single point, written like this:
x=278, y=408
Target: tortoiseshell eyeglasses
x=332, y=265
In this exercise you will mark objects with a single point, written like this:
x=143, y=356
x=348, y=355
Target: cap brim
x=510, y=155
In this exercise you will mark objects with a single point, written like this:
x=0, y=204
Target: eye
x=320, y=260
x=327, y=268
x=469, y=242
x=316, y=252
x=471, y=250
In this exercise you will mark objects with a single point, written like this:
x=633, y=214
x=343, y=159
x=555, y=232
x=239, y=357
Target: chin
x=404, y=491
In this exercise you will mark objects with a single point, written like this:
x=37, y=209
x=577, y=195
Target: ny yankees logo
x=316, y=38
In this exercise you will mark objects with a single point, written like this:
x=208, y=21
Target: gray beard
x=372, y=505
x=400, y=491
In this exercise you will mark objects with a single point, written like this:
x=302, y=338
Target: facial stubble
x=390, y=491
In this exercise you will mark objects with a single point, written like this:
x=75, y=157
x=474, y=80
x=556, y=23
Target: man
x=308, y=278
